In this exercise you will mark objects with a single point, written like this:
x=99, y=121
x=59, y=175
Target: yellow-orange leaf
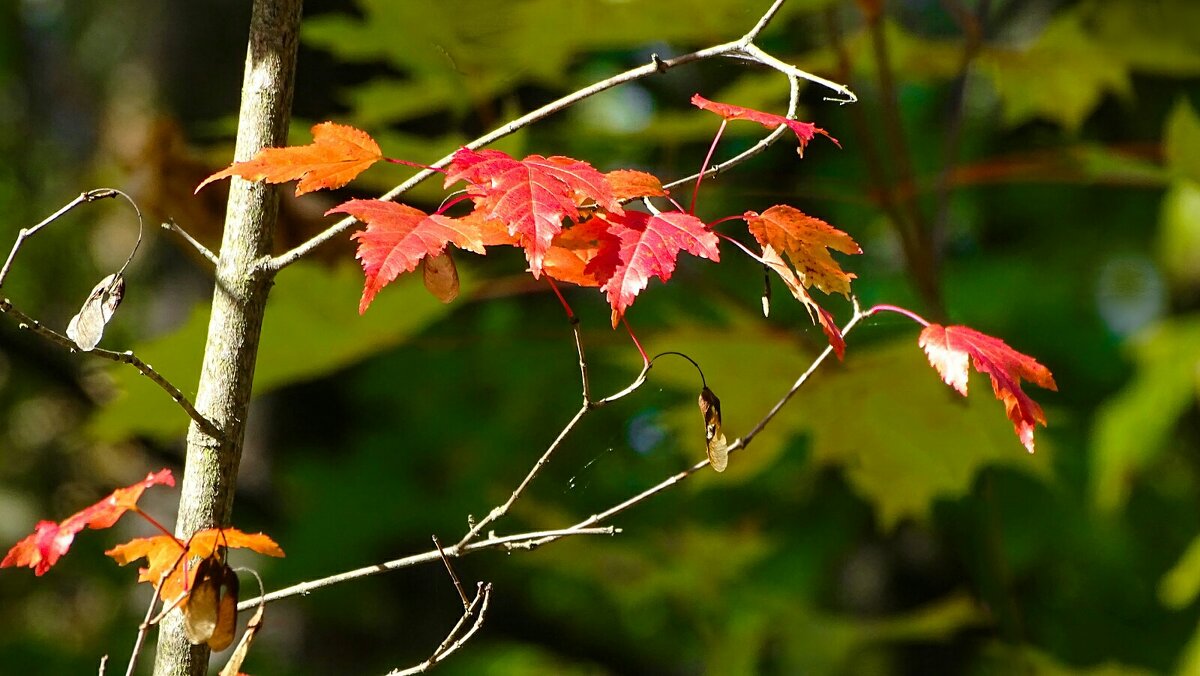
x=806, y=241
x=165, y=555
x=337, y=154
x=628, y=184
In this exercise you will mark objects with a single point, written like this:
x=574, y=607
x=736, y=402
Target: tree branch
x=195, y=244
x=588, y=526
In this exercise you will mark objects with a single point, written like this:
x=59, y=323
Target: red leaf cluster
x=950, y=347
x=50, y=540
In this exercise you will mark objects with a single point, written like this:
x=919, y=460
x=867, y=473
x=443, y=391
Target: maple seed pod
x=441, y=276
x=714, y=439
x=87, y=327
x=210, y=616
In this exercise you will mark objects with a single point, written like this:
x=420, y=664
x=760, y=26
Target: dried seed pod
x=714, y=439
x=441, y=276
x=210, y=612
x=87, y=327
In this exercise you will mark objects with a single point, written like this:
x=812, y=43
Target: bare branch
x=24, y=321
x=743, y=47
x=200, y=248
x=25, y=233
x=462, y=594
x=453, y=640
x=508, y=542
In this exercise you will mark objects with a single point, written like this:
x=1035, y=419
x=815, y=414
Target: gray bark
x=239, y=299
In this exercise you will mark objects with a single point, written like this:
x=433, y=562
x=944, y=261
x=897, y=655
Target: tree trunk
x=239, y=299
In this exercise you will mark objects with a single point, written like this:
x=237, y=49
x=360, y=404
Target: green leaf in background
x=1004, y=658
x=312, y=328
x=1134, y=427
x=1156, y=37
x=903, y=438
x=1179, y=233
x=1181, y=141
x=1179, y=587
x=1062, y=77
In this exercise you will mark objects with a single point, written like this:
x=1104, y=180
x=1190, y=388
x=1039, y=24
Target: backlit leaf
x=949, y=348
x=532, y=196
x=649, y=247
x=398, y=237
x=804, y=131
x=51, y=540
x=337, y=154
x=806, y=242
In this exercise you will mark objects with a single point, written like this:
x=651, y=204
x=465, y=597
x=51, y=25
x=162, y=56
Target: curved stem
x=703, y=383
x=898, y=310
x=704, y=165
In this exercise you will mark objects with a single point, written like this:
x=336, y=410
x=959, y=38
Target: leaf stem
x=898, y=310
x=704, y=165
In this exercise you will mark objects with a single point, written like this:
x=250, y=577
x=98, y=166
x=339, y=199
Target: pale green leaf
x=1134, y=426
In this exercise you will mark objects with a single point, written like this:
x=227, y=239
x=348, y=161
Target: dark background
x=1047, y=152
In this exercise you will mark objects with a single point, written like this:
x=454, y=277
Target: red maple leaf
x=164, y=556
x=649, y=247
x=949, y=348
x=50, y=540
x=531, y=196
x=337, y=154
x=818, y=314
x=805, y=131
x=398, y=237
x=806, y=241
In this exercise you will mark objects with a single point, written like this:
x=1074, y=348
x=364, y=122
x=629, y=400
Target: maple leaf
x=627, y=184
x=337, y=154
x=531, y=196
x=398, y=237
x=165, y=556
x=49, y=540
x=950, y=347
x=584, y=254
x=818, y=314
x=805, y=131
x=806, y=241
x=649, y=247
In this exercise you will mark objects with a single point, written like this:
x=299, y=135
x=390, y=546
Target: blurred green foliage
x=880, y=525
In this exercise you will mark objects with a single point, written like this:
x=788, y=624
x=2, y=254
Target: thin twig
x=24, y=321
x=462, y=594
x=103, y=665
x=453, y=641
x=200, y=248
x=743, y=47
x=506, y=542
x=144, y=627
x=501, y=510
x=26, y=233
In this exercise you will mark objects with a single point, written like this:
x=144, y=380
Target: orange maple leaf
x=51, y=540
x=950, y=347
x=629, y=183
x=165, y=556
x=585, y=254
x=337, y=154
x=806, y=241
x=818, y=314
